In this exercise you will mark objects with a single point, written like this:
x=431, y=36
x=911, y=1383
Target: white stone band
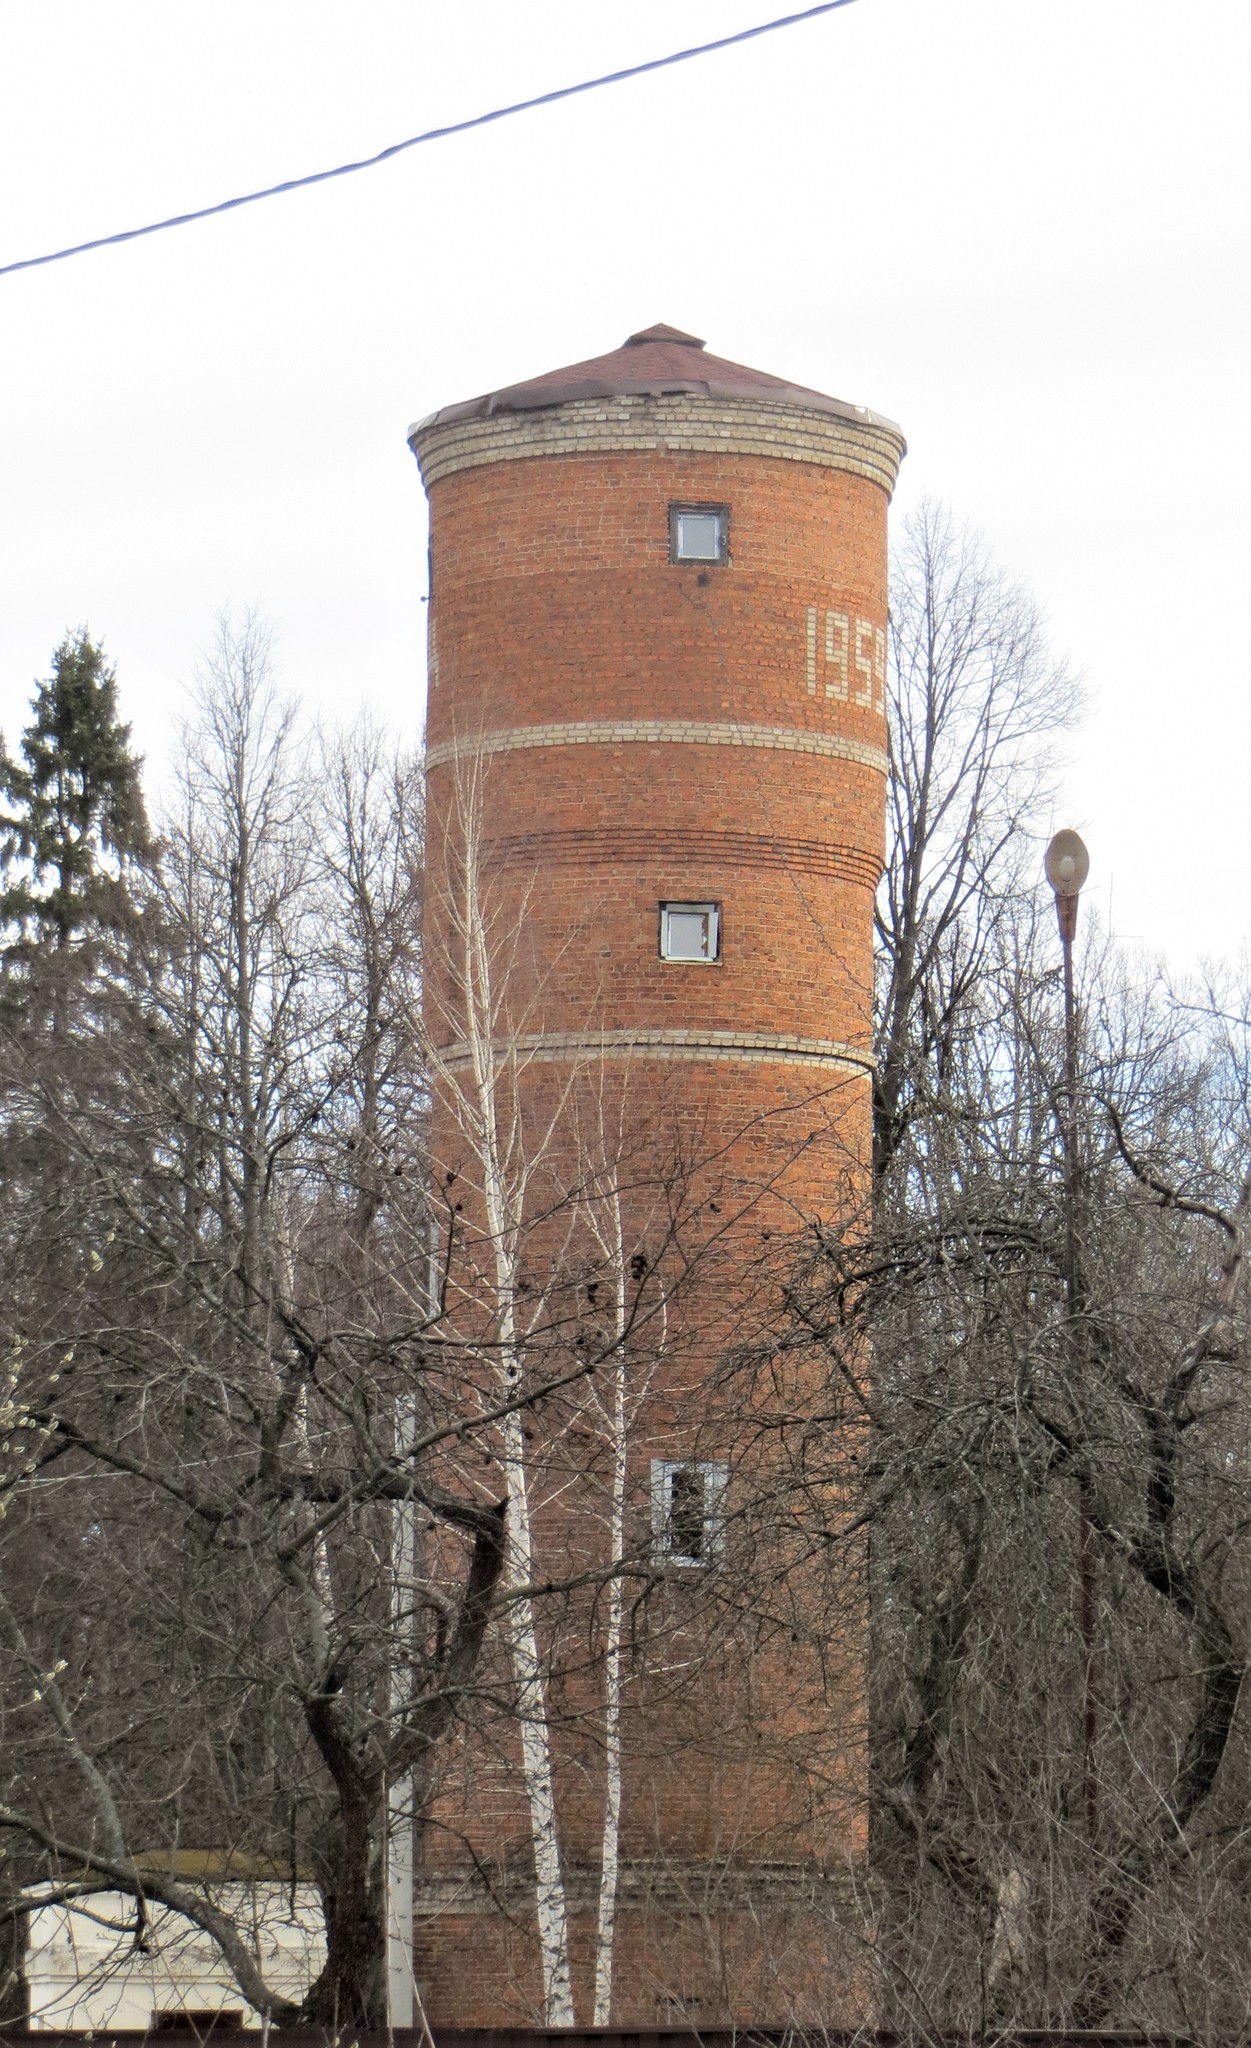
x=773, y=1046
x=679, y=423
x=696, y=732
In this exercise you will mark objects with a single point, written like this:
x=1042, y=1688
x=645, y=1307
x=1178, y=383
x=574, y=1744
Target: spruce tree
x=72, y=818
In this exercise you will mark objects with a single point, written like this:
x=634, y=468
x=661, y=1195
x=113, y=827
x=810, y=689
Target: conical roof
x=655, y=362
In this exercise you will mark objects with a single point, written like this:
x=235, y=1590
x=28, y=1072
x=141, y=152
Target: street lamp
x=1067, y=865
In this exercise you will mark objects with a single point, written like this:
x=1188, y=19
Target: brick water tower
x=656, y=757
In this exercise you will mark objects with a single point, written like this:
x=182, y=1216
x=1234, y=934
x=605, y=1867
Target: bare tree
x=242, y=1369
x=1076, y=1845
x=1058, y=1796
x=1059, y=1763
x=979, y=704
x=240, y=1313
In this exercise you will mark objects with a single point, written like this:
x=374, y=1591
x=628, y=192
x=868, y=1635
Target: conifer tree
x=72, y=818
x=76, y=948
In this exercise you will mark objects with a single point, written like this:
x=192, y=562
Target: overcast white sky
x=1020, y=230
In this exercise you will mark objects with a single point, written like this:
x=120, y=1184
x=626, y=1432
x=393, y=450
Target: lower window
x=688, y=1511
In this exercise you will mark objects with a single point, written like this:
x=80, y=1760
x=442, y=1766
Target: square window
x=688, y=1512
x=699, y=533
x=690, y=931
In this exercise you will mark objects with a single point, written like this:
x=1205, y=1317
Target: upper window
x=690, y=931
x=699, y=533
x=688, y=1511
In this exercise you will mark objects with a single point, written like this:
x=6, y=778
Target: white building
x=84, y=1971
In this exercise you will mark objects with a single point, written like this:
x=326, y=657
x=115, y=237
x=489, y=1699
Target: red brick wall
x=555, y=605
x=554, y=601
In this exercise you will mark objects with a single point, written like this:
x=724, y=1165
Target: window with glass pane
x=698, y=533
x=689, y=931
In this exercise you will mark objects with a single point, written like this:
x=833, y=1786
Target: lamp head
x=1067, y=863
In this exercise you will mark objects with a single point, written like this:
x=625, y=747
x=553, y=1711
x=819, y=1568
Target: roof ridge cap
x=661, y=331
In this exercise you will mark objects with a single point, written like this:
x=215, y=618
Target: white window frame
x=721, y=513
x=715, y=1476
x=712, y=911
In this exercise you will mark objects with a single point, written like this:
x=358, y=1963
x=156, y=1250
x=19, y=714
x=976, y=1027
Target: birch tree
x=562, y=1219
x=478, y=1089
x=616, y=1412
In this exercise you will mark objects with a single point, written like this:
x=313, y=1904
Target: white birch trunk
x=549, y=1884
x=503, y=1205
x=610, y=1841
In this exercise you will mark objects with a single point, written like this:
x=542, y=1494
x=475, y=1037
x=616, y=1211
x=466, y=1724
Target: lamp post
x=1067, y=866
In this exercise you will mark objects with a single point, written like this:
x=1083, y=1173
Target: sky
x=1022, y=231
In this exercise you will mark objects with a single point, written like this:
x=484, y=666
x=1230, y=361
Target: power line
x=365, y=163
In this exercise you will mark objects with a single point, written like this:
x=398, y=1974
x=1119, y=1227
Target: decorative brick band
x=698, y=732
x=677, y=424
x=609, y=845
x=667, y=1884
x=773, y=1046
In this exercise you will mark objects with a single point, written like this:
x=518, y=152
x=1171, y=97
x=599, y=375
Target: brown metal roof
x=655, y=361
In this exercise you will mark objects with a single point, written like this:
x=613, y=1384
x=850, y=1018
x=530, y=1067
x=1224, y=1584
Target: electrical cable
x=365, y=163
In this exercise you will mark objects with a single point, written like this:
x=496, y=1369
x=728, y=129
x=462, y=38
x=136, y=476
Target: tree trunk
x=351, y=1990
